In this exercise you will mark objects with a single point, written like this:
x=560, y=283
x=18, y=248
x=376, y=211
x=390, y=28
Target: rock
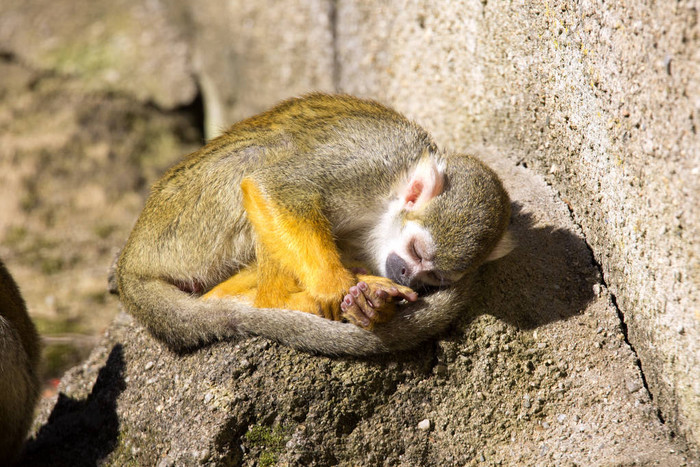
x=251, y=401
x=122, y=45
x=241, y=56
x=634, y=385
x=580, y=90
x=247, y=56
x=424, y=425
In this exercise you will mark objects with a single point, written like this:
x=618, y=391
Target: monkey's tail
x=183, y=322
x=412, y=324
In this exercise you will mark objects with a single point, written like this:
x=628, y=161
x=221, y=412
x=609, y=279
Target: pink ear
x=426, y=182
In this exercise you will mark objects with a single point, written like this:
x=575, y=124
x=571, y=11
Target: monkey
x=19, y=367
x=257, y=233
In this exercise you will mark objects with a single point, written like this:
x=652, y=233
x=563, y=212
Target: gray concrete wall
x=247, y=55
x=602, y=100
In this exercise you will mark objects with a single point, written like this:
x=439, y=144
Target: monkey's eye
x=414, y=252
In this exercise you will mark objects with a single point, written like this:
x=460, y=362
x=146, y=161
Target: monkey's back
x=193, y=225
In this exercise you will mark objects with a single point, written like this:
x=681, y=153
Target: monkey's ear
x=425, y=183
x=505, y=245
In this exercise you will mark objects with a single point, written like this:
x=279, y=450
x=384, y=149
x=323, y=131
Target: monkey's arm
x=298, y=265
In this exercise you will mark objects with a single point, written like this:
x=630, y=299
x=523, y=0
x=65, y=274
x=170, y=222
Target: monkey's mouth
x=427, y=289
x=418, y=285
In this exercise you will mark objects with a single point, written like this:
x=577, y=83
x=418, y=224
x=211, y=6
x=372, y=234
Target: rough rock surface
x=249, y=55
x=241, y=56
x=603, y=100
x=536, y=372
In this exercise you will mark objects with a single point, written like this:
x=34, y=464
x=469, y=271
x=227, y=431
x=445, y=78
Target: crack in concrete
x=613, y=302
x=333, y=21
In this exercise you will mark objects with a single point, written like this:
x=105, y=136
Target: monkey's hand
x=373, y=300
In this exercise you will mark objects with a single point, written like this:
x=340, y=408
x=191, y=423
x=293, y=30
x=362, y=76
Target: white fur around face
x=391, y=235
x=384, y=235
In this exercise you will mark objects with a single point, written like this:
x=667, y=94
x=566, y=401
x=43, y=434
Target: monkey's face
x=404, y=249
x=410, y=260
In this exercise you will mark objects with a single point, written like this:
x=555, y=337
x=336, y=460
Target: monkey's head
x=449, y=217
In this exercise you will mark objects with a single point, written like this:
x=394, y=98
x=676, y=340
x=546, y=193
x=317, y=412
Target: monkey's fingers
x=357, y=308
x=400, y=291
x=393, y=289
x=352, y=312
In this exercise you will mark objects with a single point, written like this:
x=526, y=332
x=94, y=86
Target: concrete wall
x=246, y=56
x=601, y=99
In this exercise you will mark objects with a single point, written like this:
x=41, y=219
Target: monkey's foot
x=373, y=300
x=243, y=283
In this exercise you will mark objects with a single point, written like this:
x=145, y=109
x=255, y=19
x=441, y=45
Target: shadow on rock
x=549, y=276
x=81, y=432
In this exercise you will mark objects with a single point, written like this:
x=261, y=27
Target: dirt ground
x=75, y=167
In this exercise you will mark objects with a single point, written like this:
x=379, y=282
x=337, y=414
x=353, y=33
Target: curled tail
x=183, y=321
x=412, y=324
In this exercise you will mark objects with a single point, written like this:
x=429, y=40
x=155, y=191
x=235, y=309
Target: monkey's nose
x=397, y=270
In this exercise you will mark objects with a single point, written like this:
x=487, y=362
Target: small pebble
x=441, y=370
x=634, y=386
x=561, y=417
x=424, y=425
x=203, y=455
x=149, y=365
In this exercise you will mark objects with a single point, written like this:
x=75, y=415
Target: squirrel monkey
x=19, y=361
x=322, y=207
